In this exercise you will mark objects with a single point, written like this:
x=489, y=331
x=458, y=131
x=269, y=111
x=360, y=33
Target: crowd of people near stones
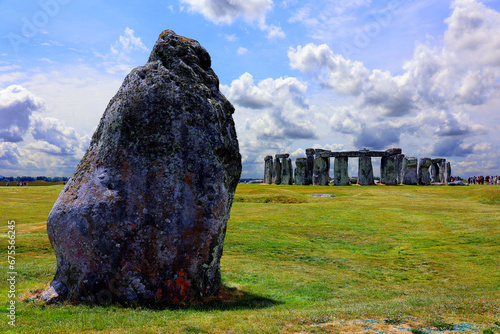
x=483, y=179
x=19, y=184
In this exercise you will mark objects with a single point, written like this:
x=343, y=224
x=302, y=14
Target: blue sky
x=341, y=75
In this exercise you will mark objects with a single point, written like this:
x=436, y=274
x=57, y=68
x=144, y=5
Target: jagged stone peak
x=171, y=47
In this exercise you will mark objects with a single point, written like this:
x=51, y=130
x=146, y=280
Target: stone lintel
x=394, y=151
x=357, y=154
x=282, y=156
x=438, y=161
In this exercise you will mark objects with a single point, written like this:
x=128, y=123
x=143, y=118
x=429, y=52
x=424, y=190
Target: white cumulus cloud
x=436, y=88
x=118, y=59
x=53, y=137
x=16, y=106
x=227, y=11
x=269, y=116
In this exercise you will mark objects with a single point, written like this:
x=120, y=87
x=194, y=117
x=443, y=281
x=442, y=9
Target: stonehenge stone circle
x=143, y=217
x=395, y=168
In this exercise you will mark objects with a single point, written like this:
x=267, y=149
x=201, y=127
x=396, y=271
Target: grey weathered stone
x=282, y=156
x=388, y=170
x=340, y=171
x=286, y=171
x=357, y=154
x=399, y=168
x=393, y=151
x=365, y=171
x=290, y=168
x=277, y=170
x=321, y=171
x=424, y=177
x=410, y=171
x=318, y=152
x=442, y=170
x=437, y=169
x=268, y=169
x=57, y=292
x=144, y=215
x=457, y=183
x=301, y=171
x=310, y=164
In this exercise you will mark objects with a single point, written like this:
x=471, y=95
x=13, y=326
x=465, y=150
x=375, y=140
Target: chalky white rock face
x=144, y=215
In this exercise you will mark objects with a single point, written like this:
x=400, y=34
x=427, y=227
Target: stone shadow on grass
x=234, y=299
x=228, y=299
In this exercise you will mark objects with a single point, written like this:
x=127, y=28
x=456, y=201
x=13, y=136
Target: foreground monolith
x=143, y=217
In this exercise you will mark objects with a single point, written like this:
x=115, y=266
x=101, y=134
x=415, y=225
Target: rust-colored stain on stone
x=188, y=178
x=184, y=285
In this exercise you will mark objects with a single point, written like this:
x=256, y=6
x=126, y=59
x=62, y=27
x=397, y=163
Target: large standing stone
x=399, y=168
x=310, y=164
x=290, y=168
x=365, y=171
x=340, y=171
x=438, y=171
x=287, y=171
x=442, y=170
x=277, y=171
x=410, y=171
x=268, y=169
x=321, y=169
x=388, y=170
x=279, y=162
x=424, y=177
x=301, y=171
x=144, y=215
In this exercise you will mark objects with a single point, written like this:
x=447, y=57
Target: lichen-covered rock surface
x=143, y=217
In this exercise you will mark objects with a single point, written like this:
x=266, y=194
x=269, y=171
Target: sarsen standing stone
x=144, y=215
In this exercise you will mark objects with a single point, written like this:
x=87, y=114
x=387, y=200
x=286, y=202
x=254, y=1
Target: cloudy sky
x=342, y=75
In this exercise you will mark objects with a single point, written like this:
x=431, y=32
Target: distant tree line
x=31, y=178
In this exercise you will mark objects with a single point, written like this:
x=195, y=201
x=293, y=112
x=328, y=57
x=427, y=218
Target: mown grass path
x=294, y=263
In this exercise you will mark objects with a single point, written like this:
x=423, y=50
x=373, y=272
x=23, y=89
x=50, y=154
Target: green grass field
x=293, y=263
